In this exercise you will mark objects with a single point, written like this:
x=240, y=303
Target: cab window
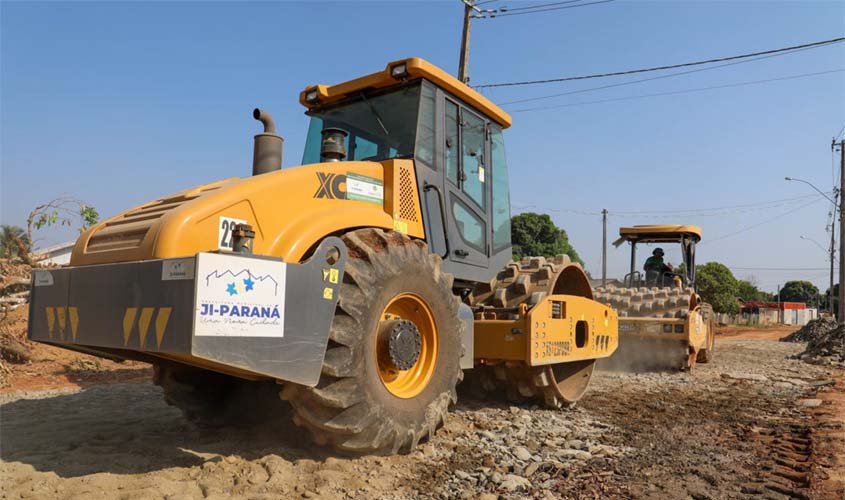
x=501, y=197
x=472, y=157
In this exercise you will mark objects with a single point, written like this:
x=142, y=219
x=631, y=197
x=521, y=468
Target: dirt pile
x=14, y=285
x=14, y=294
x=827, y=349
x=811, y=331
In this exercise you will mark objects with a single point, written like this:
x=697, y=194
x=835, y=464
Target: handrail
x=426, y=188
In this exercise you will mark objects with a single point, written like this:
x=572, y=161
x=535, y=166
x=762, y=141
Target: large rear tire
x=365, y=403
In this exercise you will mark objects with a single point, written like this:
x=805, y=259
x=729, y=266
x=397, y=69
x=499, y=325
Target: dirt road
x=742, y=427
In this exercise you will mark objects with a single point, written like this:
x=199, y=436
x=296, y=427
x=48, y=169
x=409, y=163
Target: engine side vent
x=407, y=209
x=127, y=231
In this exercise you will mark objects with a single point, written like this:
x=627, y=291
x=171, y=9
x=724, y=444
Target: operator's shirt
x=654, y=263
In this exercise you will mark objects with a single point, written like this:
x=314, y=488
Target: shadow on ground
x=129, y=429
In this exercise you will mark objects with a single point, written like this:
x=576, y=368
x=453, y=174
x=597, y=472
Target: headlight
x=311, y=96
x=399, y=71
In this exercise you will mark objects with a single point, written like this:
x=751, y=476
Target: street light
x=835, y=204
x=823, y=249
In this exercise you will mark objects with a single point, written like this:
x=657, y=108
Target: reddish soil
x=751, y=333
x=52, y=368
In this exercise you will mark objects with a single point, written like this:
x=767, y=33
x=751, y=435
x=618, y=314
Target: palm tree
x=13, y=242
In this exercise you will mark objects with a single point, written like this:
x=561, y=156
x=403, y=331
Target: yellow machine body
x=290, y=210
x=558, y=329
x=690, y=331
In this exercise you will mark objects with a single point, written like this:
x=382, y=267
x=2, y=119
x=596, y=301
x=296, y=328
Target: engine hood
x=290, y=211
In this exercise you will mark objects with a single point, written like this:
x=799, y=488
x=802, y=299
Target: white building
x=56, y=255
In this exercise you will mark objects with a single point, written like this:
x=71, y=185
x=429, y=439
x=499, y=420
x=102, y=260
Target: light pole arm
x=835, y=204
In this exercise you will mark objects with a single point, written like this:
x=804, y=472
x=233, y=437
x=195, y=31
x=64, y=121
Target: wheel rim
x=409, y=383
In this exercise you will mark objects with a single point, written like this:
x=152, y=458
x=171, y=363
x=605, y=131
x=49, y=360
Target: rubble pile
x=14, y=293
x=14, y=285
x=827, y=349
x=813, y=330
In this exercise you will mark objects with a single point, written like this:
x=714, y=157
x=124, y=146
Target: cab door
x=466, y=186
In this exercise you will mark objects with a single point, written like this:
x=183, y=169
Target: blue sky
x=117, y=103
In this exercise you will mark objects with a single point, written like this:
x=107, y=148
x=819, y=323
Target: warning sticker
x=363, y=188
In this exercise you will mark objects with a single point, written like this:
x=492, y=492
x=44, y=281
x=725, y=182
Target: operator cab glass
x=380, y=126
x=459, y=163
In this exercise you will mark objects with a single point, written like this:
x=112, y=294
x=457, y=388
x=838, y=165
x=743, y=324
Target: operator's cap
x=657, y=250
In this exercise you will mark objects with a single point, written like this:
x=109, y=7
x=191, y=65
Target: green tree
x=536, y=234
x=747, y=290
x=13, y=242
x=800, y=291
x=835, y=304
x=717, y=285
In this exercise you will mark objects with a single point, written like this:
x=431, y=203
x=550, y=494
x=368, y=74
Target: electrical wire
x=748, y=228
x=506, y=13
x=649, y=79
x=779, y=268
x=840, y=132
x=662, y=68
x=684, y=91
x=685, y=213
x=508, y=9
x=715, y=209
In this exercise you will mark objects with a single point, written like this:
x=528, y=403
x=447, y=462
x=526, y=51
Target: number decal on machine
x=224, y=233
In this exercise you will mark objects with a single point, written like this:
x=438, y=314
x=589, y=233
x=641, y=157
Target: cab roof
x=414, y=68
x=657, y=233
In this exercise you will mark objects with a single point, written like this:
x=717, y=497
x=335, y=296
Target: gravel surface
x=735, y=428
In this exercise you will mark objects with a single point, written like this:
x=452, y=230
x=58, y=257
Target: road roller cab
x=685, y=236
x=362, y=282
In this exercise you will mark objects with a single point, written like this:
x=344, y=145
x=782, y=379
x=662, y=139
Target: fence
x=799, y=317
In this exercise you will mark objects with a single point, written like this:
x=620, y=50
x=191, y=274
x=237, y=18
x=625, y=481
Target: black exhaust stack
x=267, y=155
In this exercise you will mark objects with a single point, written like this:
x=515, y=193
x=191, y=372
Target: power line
x=714, y=209
x=840, y=132
x=649, y=79
x=779, y=268
x=507, y=12
x=508, y=9
x=674, y=214
x=748, y=228
x=684, y=91
x=662, y=68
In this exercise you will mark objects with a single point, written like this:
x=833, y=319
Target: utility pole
x=463, y=65
x=604, y=247
x=832, y=252
x=841, y=308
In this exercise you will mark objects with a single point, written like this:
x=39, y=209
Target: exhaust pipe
x=267, y=153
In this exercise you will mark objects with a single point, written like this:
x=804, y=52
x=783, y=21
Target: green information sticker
x=363, y=188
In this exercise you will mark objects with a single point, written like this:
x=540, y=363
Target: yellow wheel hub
x=407, y=383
